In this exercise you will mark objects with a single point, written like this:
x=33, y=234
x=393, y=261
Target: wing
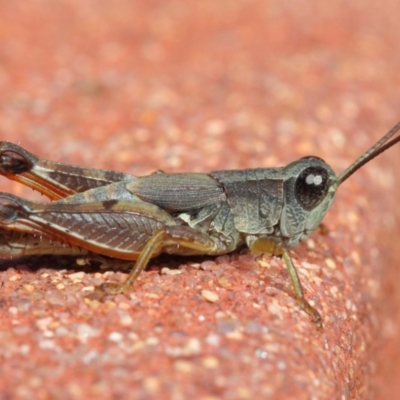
x=178, y=192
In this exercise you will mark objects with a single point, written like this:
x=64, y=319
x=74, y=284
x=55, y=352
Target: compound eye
x=311, y=187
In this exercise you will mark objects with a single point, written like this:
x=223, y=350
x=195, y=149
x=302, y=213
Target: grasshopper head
x=311, y=185
x=308, y=195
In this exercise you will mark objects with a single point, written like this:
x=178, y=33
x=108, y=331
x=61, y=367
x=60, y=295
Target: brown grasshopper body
x=136, y=218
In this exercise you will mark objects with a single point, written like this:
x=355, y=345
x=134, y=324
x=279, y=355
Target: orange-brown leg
x=54, y=180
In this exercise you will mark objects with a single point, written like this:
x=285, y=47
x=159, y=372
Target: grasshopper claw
x=312, y=312
x=111, y=288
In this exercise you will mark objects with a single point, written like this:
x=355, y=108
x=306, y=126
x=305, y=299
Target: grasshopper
x=126, y=217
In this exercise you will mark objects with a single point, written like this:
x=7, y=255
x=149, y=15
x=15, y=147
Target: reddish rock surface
x=198, y=86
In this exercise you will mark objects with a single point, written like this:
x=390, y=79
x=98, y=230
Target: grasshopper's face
x=308, y=194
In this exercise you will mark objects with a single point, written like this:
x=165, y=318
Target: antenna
x=381, y=146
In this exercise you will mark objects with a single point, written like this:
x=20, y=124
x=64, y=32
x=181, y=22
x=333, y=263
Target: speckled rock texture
x=199, y=86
